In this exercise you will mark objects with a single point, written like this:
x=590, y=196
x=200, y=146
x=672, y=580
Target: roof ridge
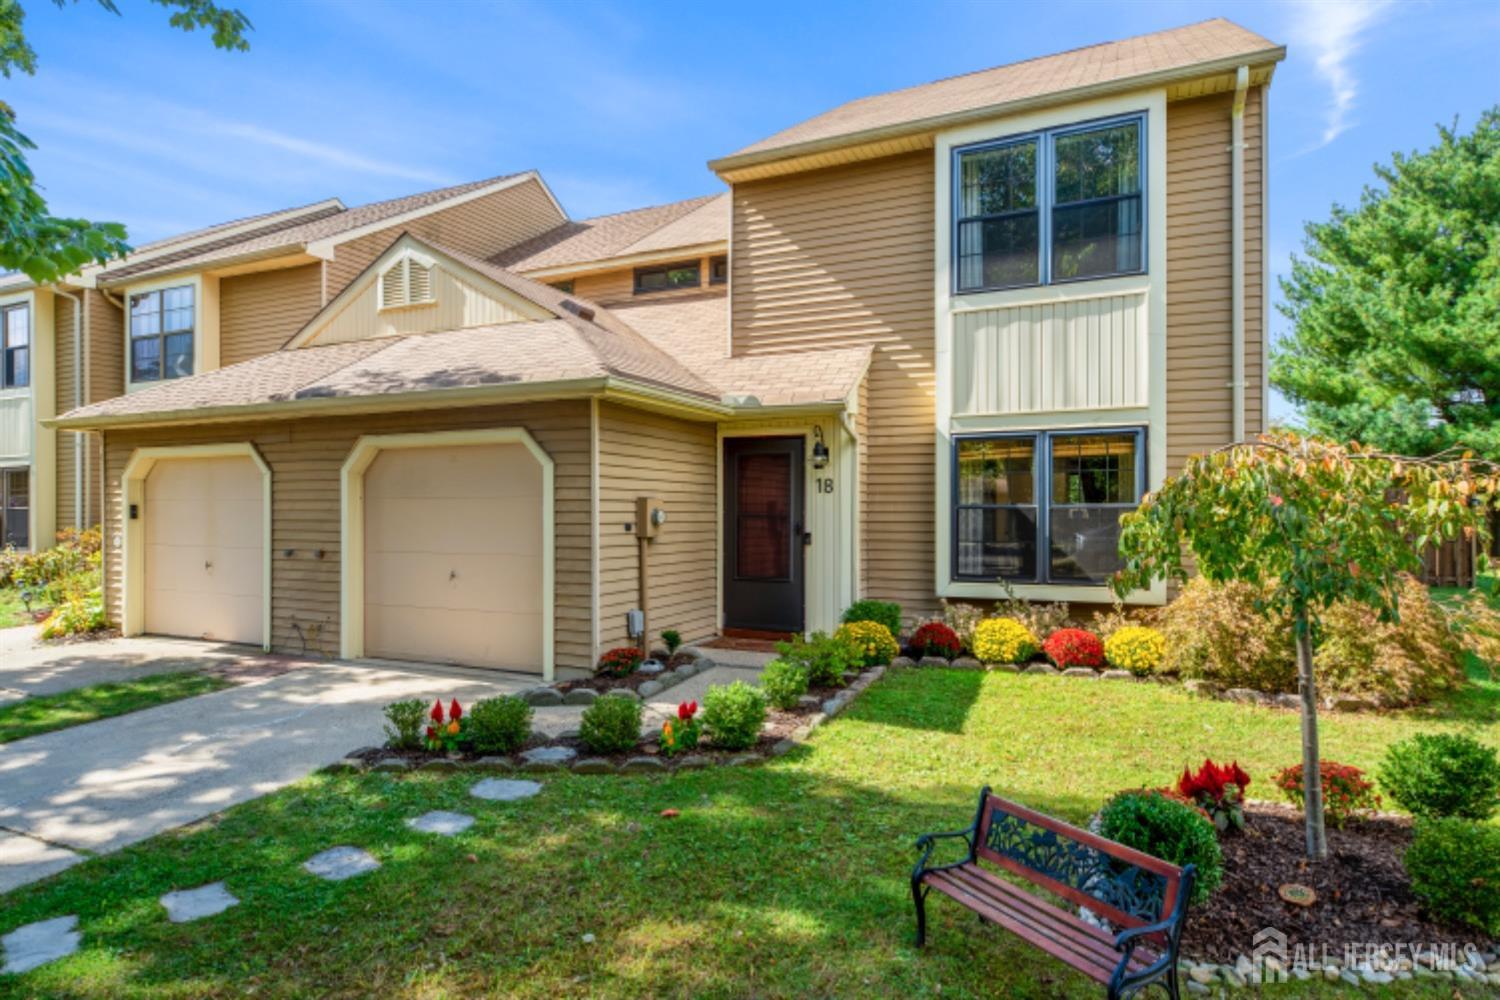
x=647, y=208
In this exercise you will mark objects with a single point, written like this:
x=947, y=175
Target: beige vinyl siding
x=456, y=304
x=261, y=311
x=841, y=257
x=67, y=387
x=618, y=286
x=1199, y=335
x=647, y=455
x=305, y=457
x=104, y=378
x=481, y=228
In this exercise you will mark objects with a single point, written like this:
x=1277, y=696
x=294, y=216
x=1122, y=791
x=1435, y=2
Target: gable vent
x=405, y=283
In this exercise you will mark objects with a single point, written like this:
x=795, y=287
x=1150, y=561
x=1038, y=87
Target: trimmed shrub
x=887, y=613
x=936, y=639
x=671, y=638
x=733, y=715
x=1442, y=774
x=825, y=658
x=1346, y=790
x=873, y=643
x=1074, y=647
x=1136, y=648
x=1454, y=866
x=499, y=725
x=622, y=661
x=404, y=722
x=1004, y=640
x=783, y=683
x=1165, y=828
x=612, y=724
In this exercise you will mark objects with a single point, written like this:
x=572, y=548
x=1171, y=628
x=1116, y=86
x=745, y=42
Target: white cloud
x=330, y=155
x=1333, y=31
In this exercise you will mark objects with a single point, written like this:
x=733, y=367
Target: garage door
x=205, y=555
x=453, y=556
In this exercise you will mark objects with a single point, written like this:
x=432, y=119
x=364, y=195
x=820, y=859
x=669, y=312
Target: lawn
x=100, y=701
x=788, y=880
x=12, y=608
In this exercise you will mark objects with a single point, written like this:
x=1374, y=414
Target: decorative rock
x=850, y=675
x=445, y=824
x=1232, y=976
x=1245, y=696
x=903, y=661
x=1204, y=974
x=34, y=945
x=744, y=760
x=833, y=706
x=669, y=678
x=504, y=790
x=349, y=765
x=652, y=667
x=1009, y=668
x=782, y=747
x=1199, y=686
x=593, y=765
x=392, y=764
x=808, y=701
x=1244, y=966
x=692, y=762
x=493, y=764
x=542, y=697
x=686, y=670
x=1117, y=675
x=626, y=693
x=580, y=696
x=441, y=764
x=643, y=765
x=1348, y=703
x=1040, y=668
x=932, y=661
x=1285, y=700
x=1084, y=672
x=339, y=863
x=1196, y=988
x=967, y=663
x=549, y=755
x=649, y=689
x=187, y=905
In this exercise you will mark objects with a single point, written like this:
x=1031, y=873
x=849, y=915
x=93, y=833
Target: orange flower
x=453, y=728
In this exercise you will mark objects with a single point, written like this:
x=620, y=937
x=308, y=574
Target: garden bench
x=1145, y=896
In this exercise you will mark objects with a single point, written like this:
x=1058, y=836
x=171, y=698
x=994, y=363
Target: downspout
x=854, y=534
x=77, y=402
x=1237, y=251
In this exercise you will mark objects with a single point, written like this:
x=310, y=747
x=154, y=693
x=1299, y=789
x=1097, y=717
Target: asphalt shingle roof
x=643, y=230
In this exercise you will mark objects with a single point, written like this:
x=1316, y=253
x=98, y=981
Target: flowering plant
x=445, y=736
x=1346, y=790
x=619, y=662
x=1074, y=647
x=936, y=639
x=1219, y=789
x=1135, y=648
x=872, y=641
x=682, y=734
x=1004, y=640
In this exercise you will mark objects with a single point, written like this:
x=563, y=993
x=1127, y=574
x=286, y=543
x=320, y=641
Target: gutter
x=1237, y=251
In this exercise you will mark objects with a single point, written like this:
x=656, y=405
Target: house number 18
x=825, y=485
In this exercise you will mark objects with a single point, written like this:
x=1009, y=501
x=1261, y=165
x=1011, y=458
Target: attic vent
x=405, y=283
x=582, y=312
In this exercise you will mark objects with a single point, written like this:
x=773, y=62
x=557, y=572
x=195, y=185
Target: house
x=929, y=344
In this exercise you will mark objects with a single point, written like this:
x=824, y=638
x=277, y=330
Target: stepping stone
x=504, y=789
x=35, y=945
x=339, y=863
x=550, y=755
x=186, y=905
x=445, y=824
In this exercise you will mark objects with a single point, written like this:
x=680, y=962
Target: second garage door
x=453, y=556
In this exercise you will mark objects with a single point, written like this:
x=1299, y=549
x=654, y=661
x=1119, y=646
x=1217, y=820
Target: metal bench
x=1145, y=896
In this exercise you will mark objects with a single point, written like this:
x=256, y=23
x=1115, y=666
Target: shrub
x=404, y=724
x=733, y=715
x=873, y=643
x=1215, y=632
x=76, y=552
x=1454, y=866
x=783, y=683
x=963, y=619
x=936, y=639
x=671, y=638
x=1219, y=790
x=887, y=613
x=612, y=724
x=621, y=661
x=1004, y=640
x=824, y=657
x=1040, y=619
x=77, y=614
x=1136, y=648
x=680, y=735
x=499, y=725
x=1346, y=790
x=1442, y=774
x=1166, y=829
x=1074, y=647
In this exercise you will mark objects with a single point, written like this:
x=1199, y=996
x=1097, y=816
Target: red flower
x=686, y=710
x=937, y=639
x=1209, y=781
x=437, y=711
x=1074, y=647
x=431, y=733
x=455, y=711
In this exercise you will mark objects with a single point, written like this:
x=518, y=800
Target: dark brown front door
x=763, y=532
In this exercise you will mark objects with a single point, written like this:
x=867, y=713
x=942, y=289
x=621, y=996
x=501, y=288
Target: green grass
x=12, y=608
x=788, y=880
x=100, y=701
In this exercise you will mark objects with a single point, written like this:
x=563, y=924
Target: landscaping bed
x=631, y=681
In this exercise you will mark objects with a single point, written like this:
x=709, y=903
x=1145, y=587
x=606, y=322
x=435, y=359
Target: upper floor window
x=15, y=347
x=161, y=334
x=1062, y=205
x=407, y=282
x=667, y=277
x=718, y=270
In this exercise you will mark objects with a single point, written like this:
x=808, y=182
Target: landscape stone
x=967, y=663
x=392, y=764
x=643, y=765
x=339, y=863
x=649, y=689
x=549, y=755
x=580, y=696
x=808, y=701
x=652, y=667
x=493, y=764
x=1009, y=668
x=903, y=661
x=625, y=693
x=932, y=661
x=833, y=706
x=1085, y=672
x=1198, y=686
x=504, y=789
x=1348, y=703
x=542, y=697
x=1245, y=696
x=1196, y=988
x=692, y=762
x=349, y=765
x=783, y=747
x=1041, y=668
x=443, y=823
x=686, y=670
x=744, y=760
x=1117, y=675
x=1203, y=973
x=187, y=905
x=440, y=765
x=669, y=678
x=849, y=675
x=34, y=945
x=593, y=765
x=1286, y=700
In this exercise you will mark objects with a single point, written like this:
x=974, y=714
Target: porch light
x=820, y=450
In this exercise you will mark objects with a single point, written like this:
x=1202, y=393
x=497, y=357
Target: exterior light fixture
x=820, y=450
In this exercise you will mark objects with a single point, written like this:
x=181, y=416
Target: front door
x=763, y=533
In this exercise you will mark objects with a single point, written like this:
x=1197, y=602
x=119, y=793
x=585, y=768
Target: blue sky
x=620, y=105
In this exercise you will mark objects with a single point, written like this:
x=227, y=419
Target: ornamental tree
x=1310, y=522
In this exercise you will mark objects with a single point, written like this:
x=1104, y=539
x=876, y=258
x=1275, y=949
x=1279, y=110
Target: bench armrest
x=1126, y=940
x=928, y=841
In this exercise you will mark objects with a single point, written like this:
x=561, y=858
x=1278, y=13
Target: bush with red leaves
x=619, y=662
x=1074, y=647
x=936, y=639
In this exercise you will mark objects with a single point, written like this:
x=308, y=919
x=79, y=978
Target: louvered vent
x=418, y=282
x=405, y=283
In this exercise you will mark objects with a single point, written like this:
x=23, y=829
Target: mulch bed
x=1363, y=893
x=602, y=683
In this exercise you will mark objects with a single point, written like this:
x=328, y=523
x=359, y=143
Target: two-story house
x=927, y=342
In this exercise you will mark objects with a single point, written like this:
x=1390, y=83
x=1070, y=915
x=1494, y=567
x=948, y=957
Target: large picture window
x=1060, y=205
x=1060, y=525
x=15, y=347
x=161, y=334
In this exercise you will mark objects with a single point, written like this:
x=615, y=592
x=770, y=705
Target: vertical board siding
x=68, y=383
x=842, y=257
x=456, y=305
x=647, y=455
x=1087, y=354
x=15, y=427
x=306, y=456
x=259, y=312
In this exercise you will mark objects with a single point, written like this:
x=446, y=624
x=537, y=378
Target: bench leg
x=919, y=897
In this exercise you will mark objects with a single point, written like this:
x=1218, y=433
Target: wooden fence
x=1454, y=563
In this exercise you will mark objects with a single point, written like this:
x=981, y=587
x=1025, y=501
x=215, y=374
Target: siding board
x=260, y=312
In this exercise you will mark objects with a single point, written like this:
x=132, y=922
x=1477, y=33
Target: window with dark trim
x=15, y=346
x=161, y=334
x=1044, y=507
x=667, y=277
x=718, y=270
x=15, y=507
x=1066, y=204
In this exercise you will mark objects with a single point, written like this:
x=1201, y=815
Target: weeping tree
x=1309, y=522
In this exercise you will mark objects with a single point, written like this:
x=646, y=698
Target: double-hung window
x=161, y=334
x=15, y=347
x=1044, y=507
x=1066, y=204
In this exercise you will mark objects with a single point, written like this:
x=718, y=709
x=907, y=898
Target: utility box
x=650, y=515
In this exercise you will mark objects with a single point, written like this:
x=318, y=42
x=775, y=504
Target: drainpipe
x=77, y=402
x=1237, y=252
x=857, y=555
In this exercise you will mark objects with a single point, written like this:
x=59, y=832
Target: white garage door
x=205, y=555
x=453, y=556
